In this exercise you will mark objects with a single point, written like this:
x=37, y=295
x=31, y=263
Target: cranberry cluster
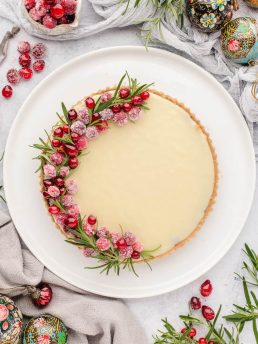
x=51, y=13
x=37, y=51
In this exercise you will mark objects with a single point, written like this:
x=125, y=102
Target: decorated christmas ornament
x=45, y=329
x=252, y=3
x=42, y=295
x=209, y=15
x=10, y=321
x=239, y=40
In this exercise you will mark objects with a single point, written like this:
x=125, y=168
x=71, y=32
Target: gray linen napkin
x=91, y=319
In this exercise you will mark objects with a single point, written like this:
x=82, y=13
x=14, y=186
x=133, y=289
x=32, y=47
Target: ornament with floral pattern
x=208, y=20
x=220, y=4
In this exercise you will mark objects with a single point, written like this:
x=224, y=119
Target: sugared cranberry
x=71, y=222
x=102, y=125
x=116, y=108
x=82, y=143
x=53, y=209
x=58, y=132
x=38, y=66
x=121, y=243
x=145, y=95
x=195, y=303
x=57, y=11
x=46, y=195
x=202, y=341
x=69, y=6
x=90, y=102
x=13, y=76
x=95, y=117
x=35, y=14
x=41, y=7
x=59, y=181
x=136, y=255
x=29, y=4
x=25, y=60
x=206, y=288
x=91, y=220
x=70, y=150
x=124, y=92
x=66, y=129
x=7, y=91
x=56, y=143
x=24, y=47
x=208, y=313
x=49, y=22
x=127, y=107
x=75, y=137
x=137, y=100
x=42, y=296
x=47, y=183
x=72, y=115
x=192, y=332
x=26, y=73
x=73, y=163
x=38, y=50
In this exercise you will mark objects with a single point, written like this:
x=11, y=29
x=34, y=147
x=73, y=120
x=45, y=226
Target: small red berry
x=42, y=296
x=70, y=150
x=38, y=66
x=59, y=181
x=90, y=102
x=47, y=183
x=69, y=6
x=24, y=47
x=91, y=220
x=116, y=108
x=75, y=137
x=145, y=95
x=195, y=303
x=13, y=76
x=62, y=190
x=54, y=210
x=202, y=341
x=102, y=125
x=38, y=50
x=71, y=222
x=136, y=255
x=58, y=132
x=49, y=22
x=29, y=4
x=127, y=107
x=208, y=313
x=124, y=92
x=206, y=288
x=66, y=128
x=57, y=11
x=211, y=342
x=25, y=73
x=73, y=163
x=56, y=143
x=7, y=91
x=95, y=117
x=46, y=194
x=137, y=100
x=25, y=60
x=192, y=332
x=72, y=115
x=121, y=243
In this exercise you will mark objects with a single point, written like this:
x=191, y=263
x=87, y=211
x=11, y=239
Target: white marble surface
x=227, y=289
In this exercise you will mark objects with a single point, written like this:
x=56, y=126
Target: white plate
x=177, y=77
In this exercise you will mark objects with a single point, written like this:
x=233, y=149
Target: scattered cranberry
x=38, y=50
x=47, y=183
x=66, y=128
x=7, y=91
x=137, y=100
x=13, y=76
x=91, y=220
x=25, y=60
x=26, y=73
x=24, y=47
x=71, y=222
x=58, y=132
x=72, y=115
x=90, y=102
x=145, y=95
x=56, y=143
x=54, y=210
x=136, y=255
x=116, y=108
x=69, y=6
x=208, y=313
x=73, y=163
x=59, y=181
x=195, y=303
x=29, y=4
x=206, y=288
x=192, y=332
x=124, y=93
x=202, y=341
x=57, y=11
x=75, y=137
x=70, y=150
x=121, y=243
x=38, y=66
x=46, y=195
x=127, y=107
x=42, y=296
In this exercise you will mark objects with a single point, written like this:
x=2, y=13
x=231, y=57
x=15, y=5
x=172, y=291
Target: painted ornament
x=239, y=40
x=209, y=15
x=45, y=329
x=10, y=321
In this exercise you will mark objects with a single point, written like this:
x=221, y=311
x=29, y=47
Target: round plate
x=177, y=77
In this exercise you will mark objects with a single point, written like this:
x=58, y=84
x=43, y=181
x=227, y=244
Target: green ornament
x=45, y=329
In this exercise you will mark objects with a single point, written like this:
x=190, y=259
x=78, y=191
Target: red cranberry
x=38, y=50
x=49, y=22
x=35, y=14
x=73, y=163
x=25, y=73
x=29, y=4
x=116, y=108
x=136, y=255
x=63, y=20
x=46, y=195
x=145, y=95
x=24, y=47
x=211, y=342
x=58, y=132
x=38, y=65
x=13, y=76
x=42, y=296
x=54, y=210
x=56, y=143
x=95, y=117
x=206, y=288
x=137, y=100
x=121, y=243
x=208, y=313
x=62, y=190
x=75, y=137
x=195, y=303
x=102, y=125
x=47, y=183
x=192, y=332
x=127, y=107
x=90, y=102
x=25, y=60
x=7, y=91
x=57, y=11
x=69, y=6
x=202, y=341
x=70, y=150
x=91, y=220
x=71, y=222
x=66, y=128
x=72, y=115
x=59, y=181
x=124, y=93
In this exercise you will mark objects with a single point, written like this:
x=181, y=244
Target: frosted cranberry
x=59, y=181
x=82, y=143
x=195, y=303
x=47, y=183
x=41, y=6
x=58, y=132
x=7, y=91
x=127, y=107
x=90, y=102
x=70, y=150
x=69, y=6
x=25, y=60
x=192, y=332
x=49, y=22
x=46, y=195
x=57, y=11
x=53, y=209
x=202, y=341
x=121, y=243
x=72, y=114
x=34, y=14
x=102, y=126
x=75, y=137
x=73, y=163
x=29, y=3
x=124, y=93
x=66, y=128
x=71, y=222
x=91, y=220
x=38, y=65
x=136, y=255
x=26, y=73
x=206, y=288
x=23, y=46
x=208, y=313
x=38, y=50
x=137, y=100
x=42, y=296
x=145, y=95
x=13, y=76
x=116, y=108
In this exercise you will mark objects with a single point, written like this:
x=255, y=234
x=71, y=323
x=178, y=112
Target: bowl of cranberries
x=53, y=17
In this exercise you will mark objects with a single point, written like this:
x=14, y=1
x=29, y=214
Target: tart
x=150, y=177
